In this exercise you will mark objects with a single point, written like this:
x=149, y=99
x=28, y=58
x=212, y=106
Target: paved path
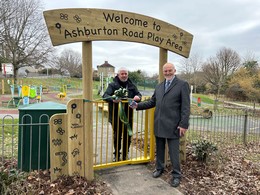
x=135, y=180
x=13, y=112
x=234, y=104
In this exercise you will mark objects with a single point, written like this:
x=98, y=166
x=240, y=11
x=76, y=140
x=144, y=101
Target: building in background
x=106, y=69
x=106, y=73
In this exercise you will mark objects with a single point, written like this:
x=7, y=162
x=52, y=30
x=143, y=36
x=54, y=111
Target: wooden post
x=183, y=148
x=152, y=138
x=87, y=80
x=3, y=86
x=162, y=60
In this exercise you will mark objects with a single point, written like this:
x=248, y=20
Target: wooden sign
x=68, y=144
x=58, y=145
x=78, y=25
x=76, y=137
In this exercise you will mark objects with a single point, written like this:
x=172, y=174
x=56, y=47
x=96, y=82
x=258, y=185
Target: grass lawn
x=204, y=98
x=9, y=137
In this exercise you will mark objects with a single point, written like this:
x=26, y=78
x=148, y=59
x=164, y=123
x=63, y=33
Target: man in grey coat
x=171, y=100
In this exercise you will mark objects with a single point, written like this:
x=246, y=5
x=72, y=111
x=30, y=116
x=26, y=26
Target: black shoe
x=175, y=182
x=157, y=173
x=125, y=157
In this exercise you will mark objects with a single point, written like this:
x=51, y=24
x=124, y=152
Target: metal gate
x=142, y=141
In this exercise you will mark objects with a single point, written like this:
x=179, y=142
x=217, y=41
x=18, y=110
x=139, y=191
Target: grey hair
x=122, y=69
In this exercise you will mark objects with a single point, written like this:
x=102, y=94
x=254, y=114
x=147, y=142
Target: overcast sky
x=234, y=24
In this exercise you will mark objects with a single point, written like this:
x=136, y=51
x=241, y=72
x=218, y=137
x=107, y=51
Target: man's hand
x=136, y=98
x=182, y=131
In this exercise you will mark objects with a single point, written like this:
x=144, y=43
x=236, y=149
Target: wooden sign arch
x=78, y=25
x=86, y=25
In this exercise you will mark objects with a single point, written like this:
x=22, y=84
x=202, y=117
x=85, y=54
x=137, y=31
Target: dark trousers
x=119, y=132
x=174, y=153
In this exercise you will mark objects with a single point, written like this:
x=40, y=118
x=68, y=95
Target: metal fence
x=18, y=139
x=227, y=126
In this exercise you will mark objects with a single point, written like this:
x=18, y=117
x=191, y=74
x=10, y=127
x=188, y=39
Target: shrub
x=203, y=149
x=9, y=176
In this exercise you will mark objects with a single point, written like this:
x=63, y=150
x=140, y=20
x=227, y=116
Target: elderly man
x=172, y=101
x=120, y=128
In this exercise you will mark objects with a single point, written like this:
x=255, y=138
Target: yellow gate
x=71, y=147
x=142, y=141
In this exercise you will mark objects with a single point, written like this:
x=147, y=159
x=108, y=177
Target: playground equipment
x=35, y=94
x=63, y=92
x=15, y=100
x=25, y=94
x=31, y=93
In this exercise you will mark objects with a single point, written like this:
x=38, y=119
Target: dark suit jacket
x=172, y=108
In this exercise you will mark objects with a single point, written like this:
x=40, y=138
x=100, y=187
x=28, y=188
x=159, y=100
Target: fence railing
x=226, y=127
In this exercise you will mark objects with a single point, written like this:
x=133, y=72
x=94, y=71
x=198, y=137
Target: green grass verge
x=9, y=137
x=204, y=98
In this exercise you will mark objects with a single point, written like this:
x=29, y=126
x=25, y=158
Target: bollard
x=199, y=102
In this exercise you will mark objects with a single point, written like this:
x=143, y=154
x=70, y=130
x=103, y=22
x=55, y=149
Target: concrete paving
x=8, y=113
x=135, y=179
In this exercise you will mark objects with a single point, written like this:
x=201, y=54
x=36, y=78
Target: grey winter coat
x=172, y=108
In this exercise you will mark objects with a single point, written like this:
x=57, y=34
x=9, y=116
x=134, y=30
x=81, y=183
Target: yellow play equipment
x=26, y=93
x=30, y=92
x=63, y=92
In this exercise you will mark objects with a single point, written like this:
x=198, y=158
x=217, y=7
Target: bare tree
x=69, y=61
x=218, y=69
x=24, y=37
x=212, y=74
x=189, y=69
x=5, y=12
x=250, y=63
x=249, y=56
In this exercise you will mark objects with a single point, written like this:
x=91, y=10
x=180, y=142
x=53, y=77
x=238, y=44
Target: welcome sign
x=79, y=24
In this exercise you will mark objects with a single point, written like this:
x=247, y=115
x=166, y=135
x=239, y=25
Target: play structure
x=63, y=92
x=26, y=94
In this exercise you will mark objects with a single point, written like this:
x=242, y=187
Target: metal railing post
x=245, y=127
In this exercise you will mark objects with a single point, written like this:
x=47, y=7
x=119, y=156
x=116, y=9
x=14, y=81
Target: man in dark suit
x=171, y=120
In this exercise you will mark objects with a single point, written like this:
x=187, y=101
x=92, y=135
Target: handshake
x=132, y=104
